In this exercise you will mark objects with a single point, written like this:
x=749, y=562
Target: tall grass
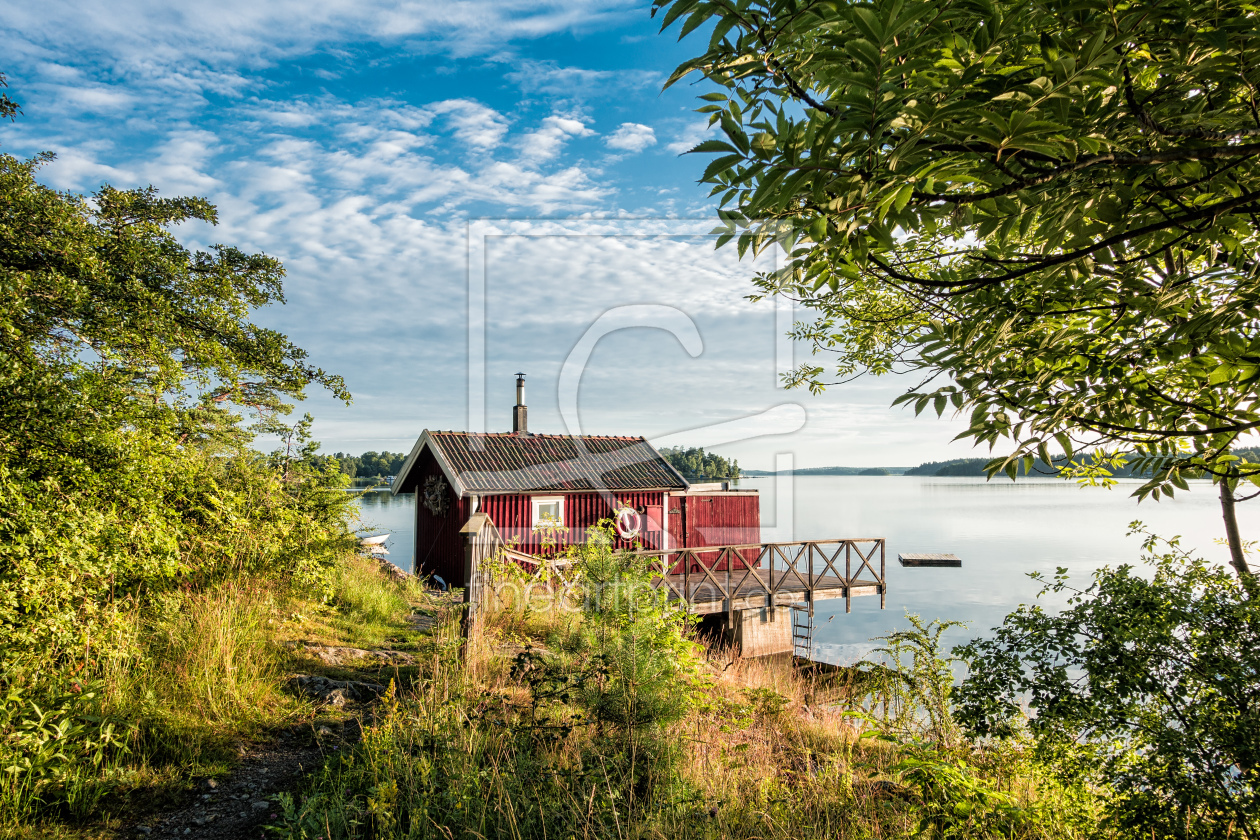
x=210, y=675
x=361, y=593
x=167, y=691
x=369, y=606
x=500, y=744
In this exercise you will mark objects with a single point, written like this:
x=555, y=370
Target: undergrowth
x=173, y=693
x=609, y=721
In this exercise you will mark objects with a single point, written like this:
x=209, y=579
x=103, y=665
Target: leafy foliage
x=1052, y=205
x=128, y=486
x=1146, y=686
x=370, y=464
x=121, y=465
x=639, y=636
x=696, y=464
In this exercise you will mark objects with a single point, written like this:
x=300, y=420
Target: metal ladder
x=802, y=630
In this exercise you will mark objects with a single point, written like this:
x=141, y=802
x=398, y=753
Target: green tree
x=1145, y=686
x=695, y=463
x=1051, y=205
x=130, y=367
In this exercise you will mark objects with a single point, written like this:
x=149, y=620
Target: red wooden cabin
x=524, y=480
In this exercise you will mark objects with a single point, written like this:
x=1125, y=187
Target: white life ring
x=629, y=523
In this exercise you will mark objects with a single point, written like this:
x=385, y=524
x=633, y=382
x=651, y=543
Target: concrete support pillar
x=757, y=632
x=753, y=632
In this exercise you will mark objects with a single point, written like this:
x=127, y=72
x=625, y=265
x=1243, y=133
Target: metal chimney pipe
x=520, y=413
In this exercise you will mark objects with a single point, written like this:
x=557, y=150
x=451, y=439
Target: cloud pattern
x=359, y=142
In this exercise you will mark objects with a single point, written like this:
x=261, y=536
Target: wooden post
x=883, y=575
x=473, y=543
x=769, y=581
x=730, y=596
x=686, y=561
x=848, y=576
x=809, y=576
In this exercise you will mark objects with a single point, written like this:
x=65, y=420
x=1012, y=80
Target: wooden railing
x=773, y=574
x=733, y=577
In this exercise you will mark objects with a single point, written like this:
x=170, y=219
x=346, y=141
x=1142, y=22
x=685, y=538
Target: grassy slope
x=190, y=684
x=764, y=751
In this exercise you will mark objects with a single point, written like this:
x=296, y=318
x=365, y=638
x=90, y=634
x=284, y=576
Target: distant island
x=832, y=471
x=697, y=465
x=955, y=467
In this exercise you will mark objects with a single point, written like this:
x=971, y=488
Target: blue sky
x=375, y=146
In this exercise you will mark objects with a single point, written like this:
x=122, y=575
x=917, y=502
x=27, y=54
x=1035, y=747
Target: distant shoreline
x=868, y=471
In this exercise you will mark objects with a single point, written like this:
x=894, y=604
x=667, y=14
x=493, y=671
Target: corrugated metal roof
x=497, y=463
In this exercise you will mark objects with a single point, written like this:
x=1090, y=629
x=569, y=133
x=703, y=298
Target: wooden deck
x=756, y=587
x=718, y=578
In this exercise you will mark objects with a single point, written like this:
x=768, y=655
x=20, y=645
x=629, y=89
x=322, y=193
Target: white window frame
x=535, y=502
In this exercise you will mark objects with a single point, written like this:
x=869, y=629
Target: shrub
x=1146, y=686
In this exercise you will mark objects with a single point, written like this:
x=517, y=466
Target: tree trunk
x=1237, y=559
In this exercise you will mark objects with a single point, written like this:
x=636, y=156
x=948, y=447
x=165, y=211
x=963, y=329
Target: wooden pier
x=739, y=590
x=770, y=575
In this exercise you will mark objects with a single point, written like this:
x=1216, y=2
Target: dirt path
x=240, y=806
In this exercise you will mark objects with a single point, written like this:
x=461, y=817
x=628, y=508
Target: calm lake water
x=1001, y=530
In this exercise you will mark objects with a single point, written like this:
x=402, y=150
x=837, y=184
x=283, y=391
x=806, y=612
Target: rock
x=212, y=784
x=393, y=572
x=334, y=692
x=260, y=805
x=345, y=655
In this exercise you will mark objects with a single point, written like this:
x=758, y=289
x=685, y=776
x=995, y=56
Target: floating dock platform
x=945, y=560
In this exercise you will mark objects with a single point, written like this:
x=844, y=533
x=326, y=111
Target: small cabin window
x=549, y=508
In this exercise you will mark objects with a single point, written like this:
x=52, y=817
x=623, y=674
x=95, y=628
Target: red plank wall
x=694, y=520
x=513, y=515
x=439, y=546
x=717, y=518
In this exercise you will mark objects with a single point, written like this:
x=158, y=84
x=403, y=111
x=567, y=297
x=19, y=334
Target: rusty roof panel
x=512, y=463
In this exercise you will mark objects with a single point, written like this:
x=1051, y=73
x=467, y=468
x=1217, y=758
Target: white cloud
x=475, y=124
x=576, y=82
x=686, y=139
x=146, y=33
x=545, y=143
x=632, y=137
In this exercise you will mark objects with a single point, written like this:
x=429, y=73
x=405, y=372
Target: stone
x=346, y=655
x=212, y=784
x=260, y=805
x=334, y=692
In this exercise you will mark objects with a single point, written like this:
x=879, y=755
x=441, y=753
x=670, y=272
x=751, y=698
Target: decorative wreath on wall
x=434, y=493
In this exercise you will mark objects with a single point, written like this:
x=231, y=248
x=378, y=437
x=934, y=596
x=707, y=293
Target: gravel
x=238, y=806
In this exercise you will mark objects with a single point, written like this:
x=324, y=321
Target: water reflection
x=381, y=511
